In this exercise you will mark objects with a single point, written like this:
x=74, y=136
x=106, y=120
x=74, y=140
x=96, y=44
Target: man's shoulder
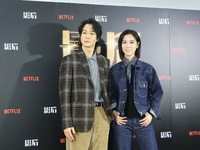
x=100, y=56
x=103, y=57
x=70, y=56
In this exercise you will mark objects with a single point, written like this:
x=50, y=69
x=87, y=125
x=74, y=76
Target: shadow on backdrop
x=37, y=87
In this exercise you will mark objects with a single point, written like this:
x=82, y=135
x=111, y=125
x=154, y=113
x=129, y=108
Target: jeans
x=145, y=136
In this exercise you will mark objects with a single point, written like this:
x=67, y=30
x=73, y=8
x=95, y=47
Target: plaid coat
x=77, y=92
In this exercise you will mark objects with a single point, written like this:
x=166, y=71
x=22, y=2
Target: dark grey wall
x=30, y=55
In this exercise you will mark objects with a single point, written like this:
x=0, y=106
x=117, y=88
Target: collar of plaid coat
x=100, y=61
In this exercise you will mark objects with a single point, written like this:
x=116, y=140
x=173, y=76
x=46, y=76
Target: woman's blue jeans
x=145, y=136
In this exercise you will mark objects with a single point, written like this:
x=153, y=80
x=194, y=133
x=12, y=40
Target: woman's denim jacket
x=147, y=88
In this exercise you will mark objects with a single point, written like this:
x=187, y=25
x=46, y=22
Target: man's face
x=88, y=37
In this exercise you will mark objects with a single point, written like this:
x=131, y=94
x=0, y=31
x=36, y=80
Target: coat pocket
x=142, y=88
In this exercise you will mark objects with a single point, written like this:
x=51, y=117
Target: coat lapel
x=84, y=62
x=101, y=68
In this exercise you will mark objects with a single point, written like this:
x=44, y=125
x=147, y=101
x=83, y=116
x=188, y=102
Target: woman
x=136, y=94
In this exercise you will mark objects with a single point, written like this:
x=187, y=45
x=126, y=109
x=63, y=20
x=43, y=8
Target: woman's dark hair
x=96, y=26
x=137, y=38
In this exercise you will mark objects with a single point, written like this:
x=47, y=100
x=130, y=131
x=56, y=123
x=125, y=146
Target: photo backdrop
x=34, y=36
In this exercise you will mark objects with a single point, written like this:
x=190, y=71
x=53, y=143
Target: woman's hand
x=146, y=120
x=120, y=120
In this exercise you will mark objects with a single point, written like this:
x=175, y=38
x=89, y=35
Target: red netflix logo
x=63, y=140
x=164, y=77
x=178, y=50
x=192, y=22
x=133, y=20
x=192, y=133
x=12, y=111
x=68, y=17
x=31, y=78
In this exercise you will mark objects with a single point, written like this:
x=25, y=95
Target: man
x=83, y=89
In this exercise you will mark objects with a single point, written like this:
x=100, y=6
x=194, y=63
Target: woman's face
x=129, y=46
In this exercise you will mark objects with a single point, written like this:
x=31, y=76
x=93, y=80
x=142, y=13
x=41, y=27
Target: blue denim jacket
x=147, y=88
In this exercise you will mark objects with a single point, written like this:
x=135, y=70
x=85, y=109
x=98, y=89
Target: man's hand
x=69, y=133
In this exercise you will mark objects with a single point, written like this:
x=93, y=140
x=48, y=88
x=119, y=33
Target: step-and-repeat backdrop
x=34, y=36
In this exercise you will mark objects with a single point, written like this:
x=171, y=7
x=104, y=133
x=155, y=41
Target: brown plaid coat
x=77, y=92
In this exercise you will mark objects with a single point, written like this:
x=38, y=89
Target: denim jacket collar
x=138, y=64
